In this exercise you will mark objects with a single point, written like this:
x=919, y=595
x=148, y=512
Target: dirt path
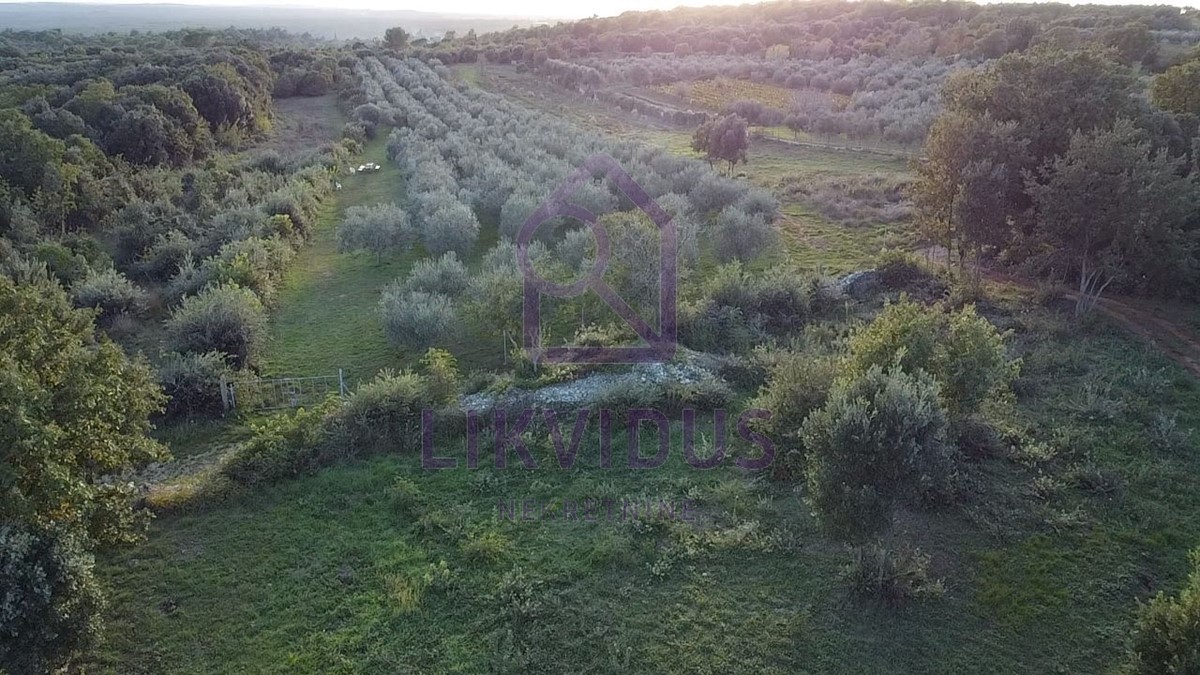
x=1179, y=342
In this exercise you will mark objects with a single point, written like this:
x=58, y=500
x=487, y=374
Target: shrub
x=976, y=366
x=1166, y=637
x=297, y=204
x=719, y=329
x=192, y=383
x=66, y=265
x=109, y=292
x=441, y=370
x=253, y=263
x=444, y=276
x=281, y=446
x=904, y=334
x=879, y=438
x=226, y=319
x=778, y=300
x=516, y=210
x=379, y=229
x=385, y=413
x=166, y=256
x=668, y=396
x=797, y=384
x=416, y=319
x=576, y=248
x=712, y=193
x=898, y=269
x=50, y=611
x=759, y=202
x=190, y=280
x=860, y=200
x=891, y=576
x=687, y=229
x=742, y=236
x=962, y=351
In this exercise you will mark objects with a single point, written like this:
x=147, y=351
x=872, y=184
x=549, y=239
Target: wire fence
x=259, y=394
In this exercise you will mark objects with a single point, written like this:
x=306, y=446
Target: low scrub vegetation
x=226, y=319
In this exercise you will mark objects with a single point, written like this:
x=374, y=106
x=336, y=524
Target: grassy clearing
x=343, y=571
x=303, y=122
x=813, y=243
x=719, y=93
x=326, y=316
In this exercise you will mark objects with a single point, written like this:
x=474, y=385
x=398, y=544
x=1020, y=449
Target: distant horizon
x=522, y=9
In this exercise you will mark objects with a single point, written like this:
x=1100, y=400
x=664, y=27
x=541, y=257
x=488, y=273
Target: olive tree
x=380, y=229
x=450, y=226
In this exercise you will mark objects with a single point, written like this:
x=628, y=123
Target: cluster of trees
x=839, y=29
x=875, y=426
x=724, y=140
x=127, y=224
x=632, y=103
x=1101, y=192
x=473, y=160
x=74, y=411
x=108, y=223
x=866, y=96
x=864, y=69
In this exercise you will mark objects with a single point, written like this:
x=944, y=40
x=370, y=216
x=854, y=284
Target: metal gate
x=279, y=393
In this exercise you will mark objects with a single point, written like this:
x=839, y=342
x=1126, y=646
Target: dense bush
x=879, y=439
x=442, y=276
x=74, y=411
x=192, y=383
x=797, y=384
x=109, y=292
x=49, y=601
x=861, y=200
x=516, y=210
x=189, y=280
x=900, y=269
x=1166, y=638
x=739, y=235
x=166, y=255
x=962, y=351
x=738, y=309
x=385, y=413
x=380, y=229
x=66, y=265
x=281, y=446
x=416, y=319
x=667, y=396
x=253, y=263
x=719, y=329
x=779, y=300
x=226, y=319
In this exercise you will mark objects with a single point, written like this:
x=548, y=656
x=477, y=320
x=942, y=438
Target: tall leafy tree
x=1178, y=89
x=395, y=37
x=724, y=139
x=1110, y=209
x=73, y=409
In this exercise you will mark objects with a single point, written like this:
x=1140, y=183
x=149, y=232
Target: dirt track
x=1176, y=341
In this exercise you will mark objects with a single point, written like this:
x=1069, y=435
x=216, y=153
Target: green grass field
x=379, y=566
x=327, y=315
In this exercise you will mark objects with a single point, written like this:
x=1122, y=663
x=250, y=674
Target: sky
x=529, y=8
